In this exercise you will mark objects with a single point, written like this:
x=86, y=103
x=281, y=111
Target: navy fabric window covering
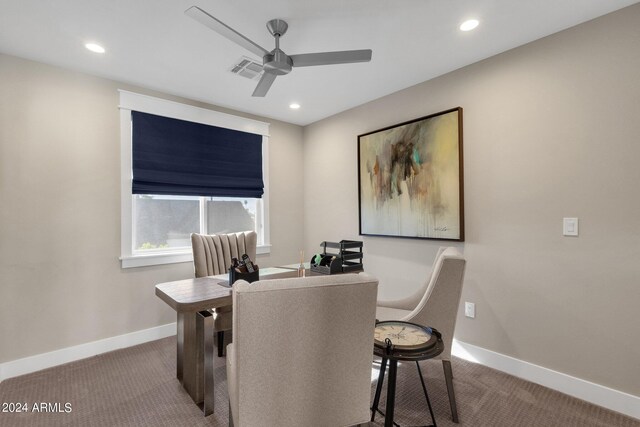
x=178, y=157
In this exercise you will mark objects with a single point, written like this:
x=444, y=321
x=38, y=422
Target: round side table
x=394, y=341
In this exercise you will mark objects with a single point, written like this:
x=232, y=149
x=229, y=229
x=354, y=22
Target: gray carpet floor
x=136, y=386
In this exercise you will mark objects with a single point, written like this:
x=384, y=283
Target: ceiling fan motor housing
x=277, y=62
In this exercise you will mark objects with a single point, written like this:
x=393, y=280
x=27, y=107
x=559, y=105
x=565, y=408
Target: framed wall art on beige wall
x=410, y=179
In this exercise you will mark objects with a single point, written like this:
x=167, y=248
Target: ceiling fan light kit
x=276, y=62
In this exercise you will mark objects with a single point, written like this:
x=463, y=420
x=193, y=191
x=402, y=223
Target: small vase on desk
x=301, y=272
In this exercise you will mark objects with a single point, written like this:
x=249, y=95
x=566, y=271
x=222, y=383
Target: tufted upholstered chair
x=212, y=256
x=316, y=369
x=434, y=304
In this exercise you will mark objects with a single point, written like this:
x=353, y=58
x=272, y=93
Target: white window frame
x=147, y=104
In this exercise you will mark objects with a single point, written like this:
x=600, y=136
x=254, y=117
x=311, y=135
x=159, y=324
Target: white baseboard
x=606, y=397
x=69, y=354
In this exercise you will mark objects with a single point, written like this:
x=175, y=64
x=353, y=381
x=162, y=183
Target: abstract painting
x=410, y=179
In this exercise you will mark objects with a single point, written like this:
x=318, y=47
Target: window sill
x=132, y=261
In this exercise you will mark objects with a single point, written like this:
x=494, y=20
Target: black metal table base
x=391, y=393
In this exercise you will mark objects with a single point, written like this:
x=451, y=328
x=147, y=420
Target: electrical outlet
x=470, y=310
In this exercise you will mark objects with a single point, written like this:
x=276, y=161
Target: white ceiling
x=151, y=43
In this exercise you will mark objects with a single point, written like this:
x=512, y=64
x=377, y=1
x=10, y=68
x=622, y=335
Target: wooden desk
x=188, y=298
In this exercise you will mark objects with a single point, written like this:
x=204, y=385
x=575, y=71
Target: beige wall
x=61, y=281
x=550, y=131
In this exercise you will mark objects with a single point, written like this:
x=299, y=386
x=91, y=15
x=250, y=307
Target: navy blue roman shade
x=178, y=157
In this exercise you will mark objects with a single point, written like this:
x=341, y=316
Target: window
x=164, y=224
x=156, y=228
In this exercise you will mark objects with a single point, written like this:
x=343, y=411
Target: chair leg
x=220, y=343
x=230, y=416
x=448, y=377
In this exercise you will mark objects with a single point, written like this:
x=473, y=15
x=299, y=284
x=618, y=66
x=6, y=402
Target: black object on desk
x=342, y=257
x=396, y=340
x=235, y=275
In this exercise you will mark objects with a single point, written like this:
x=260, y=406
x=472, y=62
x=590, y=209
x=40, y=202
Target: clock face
x=402, y=335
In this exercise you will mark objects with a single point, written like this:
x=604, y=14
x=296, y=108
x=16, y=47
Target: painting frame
x=378, y=191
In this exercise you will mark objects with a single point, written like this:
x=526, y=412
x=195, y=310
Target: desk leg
x=195, y=356
x=180, y=346
x=391, y=393
x=376, y=399
x=204, y=328
x=192, y=358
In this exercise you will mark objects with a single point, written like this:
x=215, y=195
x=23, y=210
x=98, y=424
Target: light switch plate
x=570, y=226
x=470, y=310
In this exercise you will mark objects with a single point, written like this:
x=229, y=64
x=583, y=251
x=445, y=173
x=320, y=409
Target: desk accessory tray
x=249, y=277
x=329, y=264
x=339, y=257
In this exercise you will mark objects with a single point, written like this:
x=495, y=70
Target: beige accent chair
x=302, y=351
x=434, y=304
x=212, y=256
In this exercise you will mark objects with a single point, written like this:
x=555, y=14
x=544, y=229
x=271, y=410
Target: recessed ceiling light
x=469, y=25
x=294, y=106
x=94, y=47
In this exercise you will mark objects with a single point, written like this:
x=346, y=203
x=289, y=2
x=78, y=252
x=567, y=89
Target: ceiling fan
x=276, y=63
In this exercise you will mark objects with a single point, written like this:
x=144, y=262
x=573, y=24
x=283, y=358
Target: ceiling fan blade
x=223, y=29
x=330, y=58
x=264, y=84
